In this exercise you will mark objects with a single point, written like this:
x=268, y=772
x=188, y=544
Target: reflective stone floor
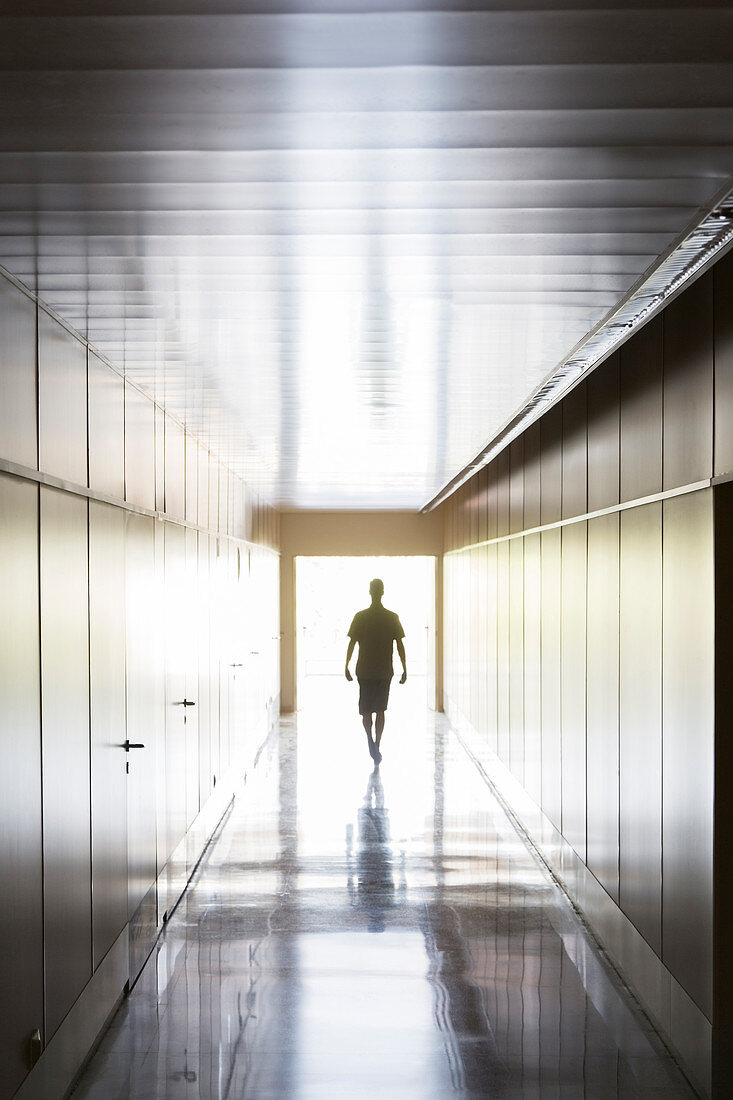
x=374, y=933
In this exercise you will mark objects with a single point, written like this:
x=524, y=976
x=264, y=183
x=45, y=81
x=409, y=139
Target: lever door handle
x=237, y=664
x=132, y=745
x=184, y=703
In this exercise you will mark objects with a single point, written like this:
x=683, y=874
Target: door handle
x=184, y=703
x=132, y=745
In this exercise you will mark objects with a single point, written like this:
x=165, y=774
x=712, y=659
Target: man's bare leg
x=367, y=723
x=378, y=730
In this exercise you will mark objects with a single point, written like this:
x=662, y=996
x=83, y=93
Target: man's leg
x=379, y=727
x=367, y=722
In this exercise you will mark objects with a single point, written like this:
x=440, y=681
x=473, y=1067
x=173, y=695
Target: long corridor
x=357, y=932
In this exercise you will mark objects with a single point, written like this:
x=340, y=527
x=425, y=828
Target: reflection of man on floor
x=375, y=629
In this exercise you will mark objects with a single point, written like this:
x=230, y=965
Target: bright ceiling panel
x=344, y=242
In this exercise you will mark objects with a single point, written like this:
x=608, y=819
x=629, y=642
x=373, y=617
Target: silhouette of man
x=375, y=629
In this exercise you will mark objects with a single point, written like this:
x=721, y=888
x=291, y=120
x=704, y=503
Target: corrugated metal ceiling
x=344, y=242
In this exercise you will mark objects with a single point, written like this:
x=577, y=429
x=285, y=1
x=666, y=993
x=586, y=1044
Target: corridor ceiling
x=345, y=241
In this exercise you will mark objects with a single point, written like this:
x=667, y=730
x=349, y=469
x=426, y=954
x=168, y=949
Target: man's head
x=376, y=589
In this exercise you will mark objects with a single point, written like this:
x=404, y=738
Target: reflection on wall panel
x=62, y=401
x=640, y=395
x=688, y=385
x=21, y=895
x=572, y=678
x=640, y=746
x=107, y=709
x=688, y=713
x=139, y=449
x=532, y=668
x=723, y=353
x=18, y=421
x=602, y=700
x=66, y=791
x=223, y=500
x=479, y=626
x=143, y=700
x=106, y=429
x=175, y=468
x=550, y=542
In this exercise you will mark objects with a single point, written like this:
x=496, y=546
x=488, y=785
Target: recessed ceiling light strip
x=699, y=248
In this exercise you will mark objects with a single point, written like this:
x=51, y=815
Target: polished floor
x=358, y=932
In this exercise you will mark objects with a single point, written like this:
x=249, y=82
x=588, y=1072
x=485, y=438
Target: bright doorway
x=329, y=590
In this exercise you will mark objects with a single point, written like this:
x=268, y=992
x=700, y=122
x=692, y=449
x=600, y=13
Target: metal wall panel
x=503, y=473
x=203, y=490
x=175, y=468
x=159, y=417
x=640, y=721
x=18, y=414
x=516, y=485
x=551, y=465
x=223, y=500
x=516, y=657
x=688, y=385
x=203, y=640
x=640, y=395
x=139, y=449
x=191, y=715
x=723, y=824
x=550, y=542
x=106, y=429
x=602, y=699
x=532, y=453
x=176, y=609
x=492, y=503
x=688, y=633
x=143, y=703
x=723, y=352
x=572, y=678
x=491, y=619
x=21, y=850
x=604, y=435
x=66, y=783
x=503, y=655
x=213, y=494
x=62, y=401
x=532, y=668
x=192, y=478
x=108, y=734
x=483, y=503
x=575, y=453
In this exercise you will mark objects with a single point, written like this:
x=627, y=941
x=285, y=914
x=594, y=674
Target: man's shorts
x=373, y=695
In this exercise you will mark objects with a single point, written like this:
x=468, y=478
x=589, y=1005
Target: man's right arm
x=349, y=652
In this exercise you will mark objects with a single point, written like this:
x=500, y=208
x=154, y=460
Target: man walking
x=375, y=629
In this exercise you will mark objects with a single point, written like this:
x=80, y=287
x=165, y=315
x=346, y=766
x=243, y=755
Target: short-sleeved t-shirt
x=375, y=629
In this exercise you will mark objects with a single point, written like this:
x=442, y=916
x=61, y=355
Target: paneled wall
x=140, y=672
x=580, y=632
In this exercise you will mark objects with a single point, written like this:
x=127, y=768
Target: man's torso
x=375, y=629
